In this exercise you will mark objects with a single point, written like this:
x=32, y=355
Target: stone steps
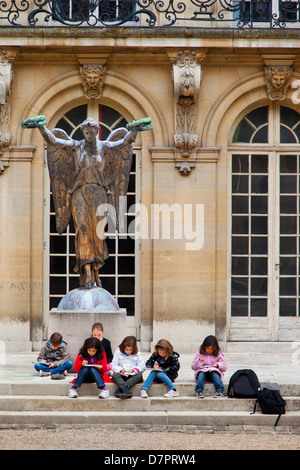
x=27, y=404
x=184, y=418
x=136, y=404
x=47, y=387
x=27, y=399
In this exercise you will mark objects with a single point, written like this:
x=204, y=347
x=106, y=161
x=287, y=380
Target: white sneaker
x=171, y=393
x=144, y=394
x=104, y=393
x=44, y=374
x=72, y=393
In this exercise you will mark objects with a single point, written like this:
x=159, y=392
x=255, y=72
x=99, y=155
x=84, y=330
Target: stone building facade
x=213, y=242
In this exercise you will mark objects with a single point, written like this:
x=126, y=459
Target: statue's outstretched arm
x=40, y=123
x=50, y=138
x=141, y=125
x=128, y=139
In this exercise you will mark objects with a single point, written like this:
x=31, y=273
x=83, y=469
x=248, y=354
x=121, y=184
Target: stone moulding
x=21, y=154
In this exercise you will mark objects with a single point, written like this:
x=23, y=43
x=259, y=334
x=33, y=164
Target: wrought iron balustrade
x=151, y=13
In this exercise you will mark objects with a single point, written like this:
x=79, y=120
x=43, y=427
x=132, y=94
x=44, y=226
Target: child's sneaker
x=199, y=394
x=144, y=393
x=218, y=394
x=44, y=374
x=171, y=393
x=72, y=393
x=57, y=376
x=104, y=393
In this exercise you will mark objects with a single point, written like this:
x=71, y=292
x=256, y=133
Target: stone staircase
x=47, y=404
x=27, y=399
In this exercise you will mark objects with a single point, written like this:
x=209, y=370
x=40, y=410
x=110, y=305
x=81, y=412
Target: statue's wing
x=116, y=172
x=62, y=172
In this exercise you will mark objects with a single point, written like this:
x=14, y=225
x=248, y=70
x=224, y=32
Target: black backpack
x=270, y=401
x=243, y=383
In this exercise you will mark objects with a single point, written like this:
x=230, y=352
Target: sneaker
x=218, y=394
x=144, y=393
x=199, y=394
x=171, y=393
x=125, y=392
x=104, y=393
x=57, y=376
x=118, y=393
x=44, y=374
x=65, y=373
x=72, y=393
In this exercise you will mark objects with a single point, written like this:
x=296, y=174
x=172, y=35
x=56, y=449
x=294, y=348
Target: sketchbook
x=93, y=365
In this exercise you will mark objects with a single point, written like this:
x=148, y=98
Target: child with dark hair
x=165, y=364
x=54, y=358
x=91, y=366
x=97, y=332
x=209, y=365
x=128, y=367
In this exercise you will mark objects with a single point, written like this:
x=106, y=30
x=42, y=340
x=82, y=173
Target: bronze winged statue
x=85, y=175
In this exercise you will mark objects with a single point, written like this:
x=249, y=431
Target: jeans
x=89, y=374
x=215, y=377
x=53, y=370
x=159, y=374
x=121, y=380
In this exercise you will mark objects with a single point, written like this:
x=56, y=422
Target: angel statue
x=84, y=175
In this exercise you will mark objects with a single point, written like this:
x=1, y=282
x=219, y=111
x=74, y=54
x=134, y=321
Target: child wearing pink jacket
x=209, y=365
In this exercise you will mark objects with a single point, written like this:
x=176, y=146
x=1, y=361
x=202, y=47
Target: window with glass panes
x=118, y=273
x=265, y=214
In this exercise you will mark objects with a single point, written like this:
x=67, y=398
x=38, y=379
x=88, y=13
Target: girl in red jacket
x=91, y=366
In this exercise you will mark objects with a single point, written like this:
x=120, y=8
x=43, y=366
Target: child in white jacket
x=127, y=367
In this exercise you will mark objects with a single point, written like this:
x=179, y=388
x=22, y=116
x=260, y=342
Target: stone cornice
x=14, y=153
x=156, y=32
x=201, y=155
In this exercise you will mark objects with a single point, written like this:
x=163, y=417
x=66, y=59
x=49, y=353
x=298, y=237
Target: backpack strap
x=254, y=409
x=278, y=418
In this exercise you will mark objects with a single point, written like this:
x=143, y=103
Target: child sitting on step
x=127, y=367
x=91, y=367
x=209, y=365
x=165, y=364
x=54, y=358
x=97, y=332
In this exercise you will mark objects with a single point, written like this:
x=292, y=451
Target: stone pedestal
x=79, y=310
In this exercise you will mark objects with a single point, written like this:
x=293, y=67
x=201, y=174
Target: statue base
x=79, y=310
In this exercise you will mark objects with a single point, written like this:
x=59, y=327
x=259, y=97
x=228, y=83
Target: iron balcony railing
x=151, y=13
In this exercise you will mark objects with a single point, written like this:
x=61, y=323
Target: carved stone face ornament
x=277, y=81
x=92, y=76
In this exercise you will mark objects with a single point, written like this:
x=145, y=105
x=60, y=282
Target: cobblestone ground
x=120, y=439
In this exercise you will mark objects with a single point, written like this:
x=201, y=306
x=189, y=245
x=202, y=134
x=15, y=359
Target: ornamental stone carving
x=6, y=78
x=186, y=76
x=92, y=77
x=277, y=77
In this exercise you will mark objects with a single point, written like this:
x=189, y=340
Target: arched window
x=253, y=128
x=118, y=273
x=265, y=225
